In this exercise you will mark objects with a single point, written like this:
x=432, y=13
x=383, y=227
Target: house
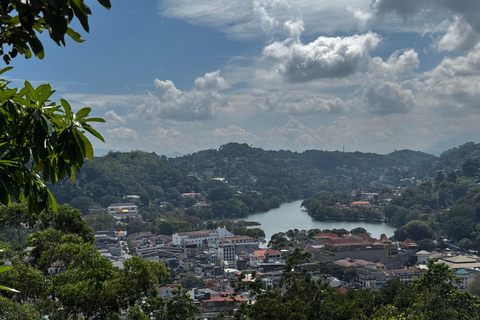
x=226, y=301
x=266, y=255
x=360, y=204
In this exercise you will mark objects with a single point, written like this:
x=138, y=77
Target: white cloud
x=282, y=102
x=453, y=86
x=112, y=118
x=325, y=57
x=211, y=81
x=460, y=36
x=247, y=19
x=363, y=17
x=395, y=64
x=102, y=101
x=121, y=134
x=168, y=102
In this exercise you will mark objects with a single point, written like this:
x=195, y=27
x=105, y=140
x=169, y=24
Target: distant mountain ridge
x=284, y=174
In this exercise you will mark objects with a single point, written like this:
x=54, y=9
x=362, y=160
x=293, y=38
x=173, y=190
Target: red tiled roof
x=326, y=235
x=342, y=290
x=358, y=203
x=262, y=253
x=408, y=243
x=345, y=242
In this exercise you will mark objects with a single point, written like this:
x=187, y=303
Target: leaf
x=44, y=92
x=37, y=47
x=95, y=133
x=105, y=3
x=94, y=120
x=47, y=126
x=39, y=167
x=82, y=113
x=67, y=107
x=81, y=12
x=8, y=289
x=75, y=35
x=5, y=69
x=88, y=147
x=53, y=202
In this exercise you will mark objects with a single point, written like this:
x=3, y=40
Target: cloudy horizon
x=182, y=76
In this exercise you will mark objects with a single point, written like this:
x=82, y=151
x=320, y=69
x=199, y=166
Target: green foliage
x=190, y=281
x=432, y=296
x=39, y=137
x=22, y=21
x=415, y=230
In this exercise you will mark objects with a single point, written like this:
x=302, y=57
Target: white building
x=123, y=210
x=200, y=237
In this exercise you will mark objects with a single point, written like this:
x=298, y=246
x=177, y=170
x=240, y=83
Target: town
x=216, y=259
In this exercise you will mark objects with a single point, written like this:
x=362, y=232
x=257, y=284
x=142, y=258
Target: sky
x=179, y=76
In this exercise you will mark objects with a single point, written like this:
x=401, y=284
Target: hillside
x=266, y=178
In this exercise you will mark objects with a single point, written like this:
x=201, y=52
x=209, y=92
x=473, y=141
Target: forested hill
x=109, y=178
x=282, y=175
x=239, y=162
x=455, y=157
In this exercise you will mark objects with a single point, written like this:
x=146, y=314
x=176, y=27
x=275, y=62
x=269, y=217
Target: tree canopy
x=38, y=136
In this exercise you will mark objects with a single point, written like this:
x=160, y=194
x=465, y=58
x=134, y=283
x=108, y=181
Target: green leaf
x=75, y=35
x=3, y=269
x=105, y=3
x=5, y=69
x=81, y=11
x=44, y=92
x=67, y=107
x=88, y=147
x=53, y=202
x=8, y=289
x=82, y=113
x=37, y=47
x=94, y=120
x=47, y=126
x=95, y=133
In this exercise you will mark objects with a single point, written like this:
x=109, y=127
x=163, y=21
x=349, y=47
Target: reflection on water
x=291, y=216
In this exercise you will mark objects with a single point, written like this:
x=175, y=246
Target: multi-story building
x=200, y=237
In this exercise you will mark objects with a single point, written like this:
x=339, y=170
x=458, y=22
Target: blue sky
x=183, y=75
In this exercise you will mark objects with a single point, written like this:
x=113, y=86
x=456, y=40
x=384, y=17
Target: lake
x=291, y=216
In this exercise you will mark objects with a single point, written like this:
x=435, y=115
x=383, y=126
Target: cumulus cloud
x=453, y=85
x=385, y=97
x=289, y=104
x=325, y=57
x=383, y=90
x=460, y=36
x=168, y=102
x=112, y=118
x=121, y=134
x=396, y=63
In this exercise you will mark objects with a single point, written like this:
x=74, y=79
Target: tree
x=37, y=135
x=21, y=21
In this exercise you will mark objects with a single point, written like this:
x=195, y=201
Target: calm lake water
x=291, y=216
